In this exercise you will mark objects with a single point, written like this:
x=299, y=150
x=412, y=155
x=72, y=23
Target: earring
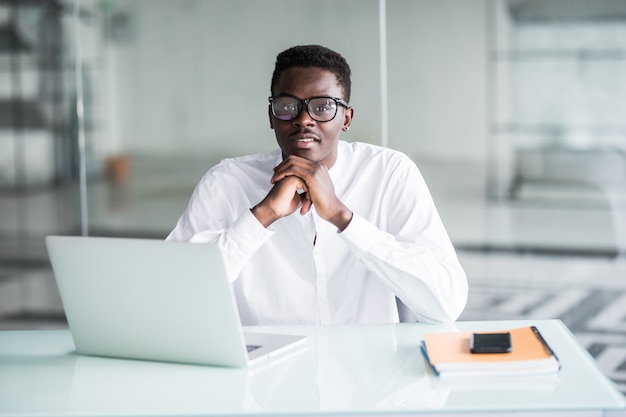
x=345, y=128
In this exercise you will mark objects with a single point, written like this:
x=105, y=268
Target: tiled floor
x=538, y=257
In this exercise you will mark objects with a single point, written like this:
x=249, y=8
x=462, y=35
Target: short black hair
x=314, y=56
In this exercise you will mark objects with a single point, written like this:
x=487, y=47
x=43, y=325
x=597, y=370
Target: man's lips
x=303, y=138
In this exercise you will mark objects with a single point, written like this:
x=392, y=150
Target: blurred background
x=514, y=110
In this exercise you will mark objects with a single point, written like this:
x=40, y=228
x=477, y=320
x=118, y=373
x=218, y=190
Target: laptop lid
x=152, y=299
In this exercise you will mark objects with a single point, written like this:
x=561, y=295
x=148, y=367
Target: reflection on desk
x=344, y=369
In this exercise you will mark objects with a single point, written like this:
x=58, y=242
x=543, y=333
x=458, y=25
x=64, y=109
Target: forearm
x=264, y=214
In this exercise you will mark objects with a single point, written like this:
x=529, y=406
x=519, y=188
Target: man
x=321, y=230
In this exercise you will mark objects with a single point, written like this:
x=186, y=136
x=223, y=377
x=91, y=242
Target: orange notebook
x=449, y=355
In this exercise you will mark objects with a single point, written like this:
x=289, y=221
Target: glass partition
x=556, y=96
x=111, y=111
x=511, y=113
x=185, y=84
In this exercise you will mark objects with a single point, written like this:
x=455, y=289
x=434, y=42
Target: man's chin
x=303, y=153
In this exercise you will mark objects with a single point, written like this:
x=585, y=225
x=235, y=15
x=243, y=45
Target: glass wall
x=188, y=84
x=511, y=109
x=185, y=97
x=556, y=99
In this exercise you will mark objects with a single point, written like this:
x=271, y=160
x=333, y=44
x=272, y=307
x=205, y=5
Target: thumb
x=306, y=203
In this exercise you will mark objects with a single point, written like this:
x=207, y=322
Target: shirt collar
x=336, y=169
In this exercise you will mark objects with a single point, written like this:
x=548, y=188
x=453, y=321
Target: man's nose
x=303, y=118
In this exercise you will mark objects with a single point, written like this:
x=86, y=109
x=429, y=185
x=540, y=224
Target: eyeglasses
x=321, y=109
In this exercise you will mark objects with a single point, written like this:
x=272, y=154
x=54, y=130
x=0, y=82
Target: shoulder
x=258, y=160
x=375, y=156
x=248, y=165
x=377, y=164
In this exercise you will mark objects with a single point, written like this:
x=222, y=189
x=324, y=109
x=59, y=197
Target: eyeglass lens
x=321, y=109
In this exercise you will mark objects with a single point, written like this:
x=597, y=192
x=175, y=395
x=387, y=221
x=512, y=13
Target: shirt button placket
x=321, y=279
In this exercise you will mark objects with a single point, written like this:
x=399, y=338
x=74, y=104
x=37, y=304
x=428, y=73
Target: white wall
x=437, y=78
x=193, y=76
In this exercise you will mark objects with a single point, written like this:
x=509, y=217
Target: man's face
x=303, y=136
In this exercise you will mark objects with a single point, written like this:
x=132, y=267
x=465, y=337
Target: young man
x=321, y=230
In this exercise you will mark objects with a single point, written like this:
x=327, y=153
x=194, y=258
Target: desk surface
x=343, y=369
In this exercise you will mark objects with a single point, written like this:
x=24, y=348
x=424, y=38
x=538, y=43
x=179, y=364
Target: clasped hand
x=300, y=183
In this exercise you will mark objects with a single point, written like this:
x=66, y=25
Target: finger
x=294, y=183
x=292, y=173
x=297, y=166
x=301, y=186
x=306, y=203
x=282, y=172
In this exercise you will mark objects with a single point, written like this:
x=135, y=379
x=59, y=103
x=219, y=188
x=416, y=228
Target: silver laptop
x=154, y=300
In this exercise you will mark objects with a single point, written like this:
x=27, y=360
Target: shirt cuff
x=360, y=234
x=238, y=243
x=248, y=232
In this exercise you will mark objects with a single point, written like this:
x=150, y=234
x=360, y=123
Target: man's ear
x=269, y=114
x=348, y=115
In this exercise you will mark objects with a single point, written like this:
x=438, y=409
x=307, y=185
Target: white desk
x=343, y=370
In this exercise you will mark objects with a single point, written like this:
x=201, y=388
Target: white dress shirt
x=301, y=270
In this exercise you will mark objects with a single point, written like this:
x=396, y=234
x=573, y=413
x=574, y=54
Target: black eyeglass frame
x=304, y=103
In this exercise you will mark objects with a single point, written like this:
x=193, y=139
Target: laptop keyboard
x=252, y=347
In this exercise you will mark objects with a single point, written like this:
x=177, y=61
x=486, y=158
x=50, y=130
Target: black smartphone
x=490, y=343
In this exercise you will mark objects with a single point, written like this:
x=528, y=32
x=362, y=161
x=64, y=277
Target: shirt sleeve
x=411, y=251
x=237, y=233
x=237, y=243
